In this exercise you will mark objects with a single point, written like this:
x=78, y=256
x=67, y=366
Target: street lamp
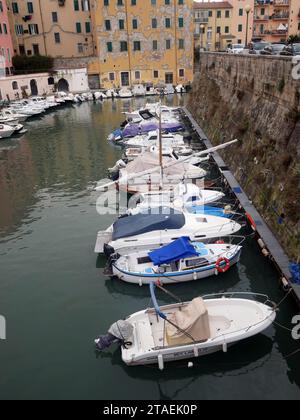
x=202, y=32
x=247, y=9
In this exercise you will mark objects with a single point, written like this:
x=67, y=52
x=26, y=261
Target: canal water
x=56, y=299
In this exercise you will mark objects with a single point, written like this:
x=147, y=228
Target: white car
x=236, y=49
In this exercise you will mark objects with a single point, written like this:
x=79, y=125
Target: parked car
x=257, y=47
x=273, y=49
x=235, y=48
x=291, y=49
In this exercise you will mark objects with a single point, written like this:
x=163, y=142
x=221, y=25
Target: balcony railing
x=265, y=17
x=281, y=2
x=201, y=20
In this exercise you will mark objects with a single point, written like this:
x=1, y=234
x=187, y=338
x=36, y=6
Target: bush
x=24, y=64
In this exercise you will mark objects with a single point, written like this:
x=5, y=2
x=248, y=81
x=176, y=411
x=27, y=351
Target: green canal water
x=56, y=299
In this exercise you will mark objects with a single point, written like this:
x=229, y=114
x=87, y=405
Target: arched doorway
x=63, y=85
x=33, y=87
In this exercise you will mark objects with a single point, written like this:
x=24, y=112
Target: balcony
x=280, y=3
x=201, y=20
x=263, y=2
x=280, y=16
x=265, y=17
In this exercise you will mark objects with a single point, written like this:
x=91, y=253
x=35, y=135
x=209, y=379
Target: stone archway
x=33, y=87
x=63, y=85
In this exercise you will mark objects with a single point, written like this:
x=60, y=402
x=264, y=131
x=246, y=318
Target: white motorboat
x=139, y=90
x=189, y=330
x=125, y=93
x=132, y=153
x=180, y=89
x=12, y=113
x=183, y=195
x=27, y=108
x=160, y=226
x=6, y=131
x=40, y=101
x=151, y=91
x=100, y=96
x=8, y=120
x=169, y=89
x=111, y=93
x=180, y=261
x=152, y=139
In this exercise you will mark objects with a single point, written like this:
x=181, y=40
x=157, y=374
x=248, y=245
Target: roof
x=212, y=5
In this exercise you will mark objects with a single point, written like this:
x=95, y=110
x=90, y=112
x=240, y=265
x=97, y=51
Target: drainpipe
x=43, y=28
x=175, y=32
x=128, y=42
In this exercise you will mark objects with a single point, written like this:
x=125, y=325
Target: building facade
x=146, y=42
x=58, y=28
x=276, y=20
x=219, y=24
x=6, y=45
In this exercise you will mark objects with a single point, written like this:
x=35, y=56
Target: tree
x=293, y=39
x=24, y=64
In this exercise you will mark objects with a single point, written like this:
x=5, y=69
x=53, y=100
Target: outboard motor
x=120, y=333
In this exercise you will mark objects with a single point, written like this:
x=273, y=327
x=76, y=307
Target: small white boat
x=169, y=89
x=156, y=227
x=100, y=95
x=111, y=93
x=139, y=90
x=6, y=131
x=152, y=139
x=11, y=113
x=189, y=330
x=180, y=261
x=125, y=93
x=180, y=89
x=151, y=91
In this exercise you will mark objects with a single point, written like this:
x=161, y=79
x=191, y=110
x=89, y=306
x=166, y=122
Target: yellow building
x=218, y=24
x=276, y=20
x=143, y=41
x=59, y=28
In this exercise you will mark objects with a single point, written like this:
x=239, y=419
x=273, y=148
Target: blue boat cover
x=181, y=248
x=147, y=222
x=295, y=272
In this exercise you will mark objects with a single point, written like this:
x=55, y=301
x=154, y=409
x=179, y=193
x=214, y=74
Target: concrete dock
x=278, y=256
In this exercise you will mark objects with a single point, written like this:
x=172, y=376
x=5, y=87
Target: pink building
x=6, y=46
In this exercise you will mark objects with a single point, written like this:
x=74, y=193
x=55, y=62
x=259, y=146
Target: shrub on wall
x=24, y=64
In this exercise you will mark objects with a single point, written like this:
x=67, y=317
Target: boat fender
x=160, y=360
x=190, y=365
x=195, y=275
x=219, y=262
x=196, y=351
x=140, y=282
x=224, y=347
x=251, y=221
x=216, y=272
x=265, y=252
x=261, y=243
x=285, y=284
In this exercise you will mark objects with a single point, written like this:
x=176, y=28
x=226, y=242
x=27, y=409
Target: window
x=133, y=2
x=168, y=44
x=226, y=29
x=181, y=72
x=19, y=30
x=106, y=2
x=33, y=29
x=218, y=29
x=22, y=50
x=240, y=28
x=137, y=75
x=109, y=47
x=87, y=27
x=121, y=24
x=1, y=6
x=123, y=46
x=227, y=13
x=241, y=12
x=180, y=2
x=76, y=5
x=54, y=17
x=153, y=2
x=168, y=23
x=80, y=48
x=154, y=23
x=136, y=45
x=4, y=28
x=134, y=24
x=210, y=13
x=181, y=44
x=155, y=74
x=30, y=7
x=15, y=7
x=51, y=81
x=180, y=22
x=154, y=45
x=78, y=27
x=219, y=13
x=111, y=76
x=36, y=50
x=57, y=37
x=120, y=2
x=262, y=12
x=15, y=85
x=85, y=5
x=107, y=25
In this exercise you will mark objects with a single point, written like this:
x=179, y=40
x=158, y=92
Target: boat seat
x=193, y=319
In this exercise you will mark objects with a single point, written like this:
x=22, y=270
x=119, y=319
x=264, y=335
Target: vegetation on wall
x=24, y=64
x=293, y=39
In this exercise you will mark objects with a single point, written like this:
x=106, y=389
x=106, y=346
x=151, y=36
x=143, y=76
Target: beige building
x=218, y=24
x=59, y=28
x=276, y=20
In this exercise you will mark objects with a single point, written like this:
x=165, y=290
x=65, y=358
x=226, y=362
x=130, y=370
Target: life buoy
x=219, y=264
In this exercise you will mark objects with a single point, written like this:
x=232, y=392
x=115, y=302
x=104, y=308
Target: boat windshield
x=143, y=223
